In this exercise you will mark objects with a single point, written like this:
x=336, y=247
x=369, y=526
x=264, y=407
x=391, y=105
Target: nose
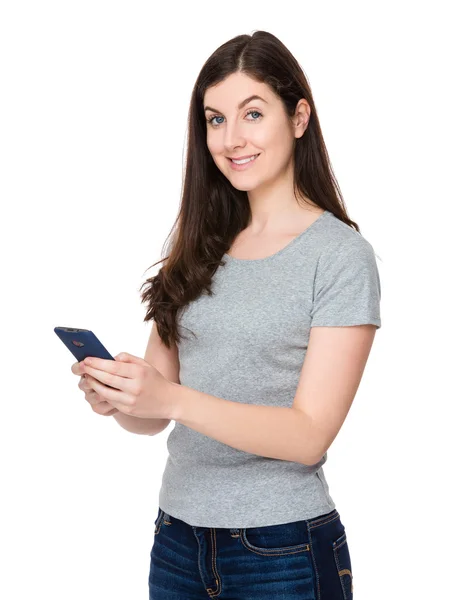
x=233, y=138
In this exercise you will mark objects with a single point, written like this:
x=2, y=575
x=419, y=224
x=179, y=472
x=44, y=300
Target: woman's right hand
x=98, y=404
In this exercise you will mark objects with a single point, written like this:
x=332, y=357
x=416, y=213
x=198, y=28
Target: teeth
x=245, y=160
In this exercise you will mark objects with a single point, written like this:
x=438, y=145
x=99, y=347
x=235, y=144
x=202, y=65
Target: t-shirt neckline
x=282, y=250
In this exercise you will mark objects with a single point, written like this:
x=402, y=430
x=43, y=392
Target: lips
x=249, y=156
x=242, y=157
x=243, y=166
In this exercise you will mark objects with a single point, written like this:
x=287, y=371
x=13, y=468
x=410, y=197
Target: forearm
x=275, y=432
x=140, y=426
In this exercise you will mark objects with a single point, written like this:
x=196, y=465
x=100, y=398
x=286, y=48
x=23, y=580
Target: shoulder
x=340, y=242
x=347, y=287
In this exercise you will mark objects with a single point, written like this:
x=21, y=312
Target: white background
x=93, y=117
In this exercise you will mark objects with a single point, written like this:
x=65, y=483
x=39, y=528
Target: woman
x=270, y=298
x=290, y=273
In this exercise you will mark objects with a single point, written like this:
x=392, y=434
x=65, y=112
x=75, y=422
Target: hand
x=136, y=387
x=97, y=402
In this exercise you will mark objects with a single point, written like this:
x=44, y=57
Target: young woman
x=265, y=311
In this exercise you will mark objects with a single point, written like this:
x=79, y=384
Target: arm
x=330, y=376
x=141, y=426
x=167, y=362
x=272, y=431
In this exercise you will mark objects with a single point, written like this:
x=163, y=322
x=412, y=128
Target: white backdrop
x=93, y=122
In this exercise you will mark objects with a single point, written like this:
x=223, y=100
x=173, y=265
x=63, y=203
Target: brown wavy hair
x=212, y=211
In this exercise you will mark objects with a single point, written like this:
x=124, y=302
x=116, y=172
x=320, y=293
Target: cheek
x=277, y=143
x=216, y=151
x=271, y=137
x=212, y=143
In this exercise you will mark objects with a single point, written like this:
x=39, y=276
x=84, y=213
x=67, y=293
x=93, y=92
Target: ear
x=301, y=117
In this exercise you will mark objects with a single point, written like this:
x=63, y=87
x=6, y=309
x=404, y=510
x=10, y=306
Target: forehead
x=235, y=88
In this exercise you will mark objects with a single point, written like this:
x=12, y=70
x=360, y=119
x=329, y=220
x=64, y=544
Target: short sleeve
x=347, y=286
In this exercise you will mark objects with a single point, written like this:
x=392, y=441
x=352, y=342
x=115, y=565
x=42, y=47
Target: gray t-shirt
x=252, y=337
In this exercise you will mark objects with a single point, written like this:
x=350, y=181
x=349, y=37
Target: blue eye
x=210, y=120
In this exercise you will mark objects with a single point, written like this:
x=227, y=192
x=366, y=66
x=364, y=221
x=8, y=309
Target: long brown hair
x=212, y=211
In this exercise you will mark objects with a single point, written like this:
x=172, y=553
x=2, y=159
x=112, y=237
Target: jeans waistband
x=312, y=523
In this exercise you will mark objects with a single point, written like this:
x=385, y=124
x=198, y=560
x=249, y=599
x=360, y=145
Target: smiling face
x=236, y=128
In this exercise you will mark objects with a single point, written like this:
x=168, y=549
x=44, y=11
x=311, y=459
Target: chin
x=243, y=188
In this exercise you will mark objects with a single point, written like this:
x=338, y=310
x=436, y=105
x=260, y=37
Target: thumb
x=130, y=358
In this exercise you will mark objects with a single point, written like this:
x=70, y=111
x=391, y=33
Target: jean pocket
x=343, y=563
x=157, y=523
x=274, y=540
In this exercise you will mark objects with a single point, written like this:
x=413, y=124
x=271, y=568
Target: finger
x=97, y=401
x=93, y=398
x=114, y=367
x=113, y=380
x=110, y=413
x=116, y=397
x=103, y=408
x=125, y=357
x=84, y=385
x=77, y=368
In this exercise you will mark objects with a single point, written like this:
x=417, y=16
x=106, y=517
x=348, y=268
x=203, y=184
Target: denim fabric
x=302, y=560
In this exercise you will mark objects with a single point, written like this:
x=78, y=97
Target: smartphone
x=82, y=343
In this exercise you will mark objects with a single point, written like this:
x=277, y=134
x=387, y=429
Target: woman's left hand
x=137, y=388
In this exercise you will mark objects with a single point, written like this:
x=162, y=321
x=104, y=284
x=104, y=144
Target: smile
x=244, y=164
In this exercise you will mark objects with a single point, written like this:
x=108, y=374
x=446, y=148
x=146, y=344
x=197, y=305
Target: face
x=258, y=127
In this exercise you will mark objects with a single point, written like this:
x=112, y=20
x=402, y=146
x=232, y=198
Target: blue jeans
x=303, y=560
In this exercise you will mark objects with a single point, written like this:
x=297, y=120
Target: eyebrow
x=241, y=105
